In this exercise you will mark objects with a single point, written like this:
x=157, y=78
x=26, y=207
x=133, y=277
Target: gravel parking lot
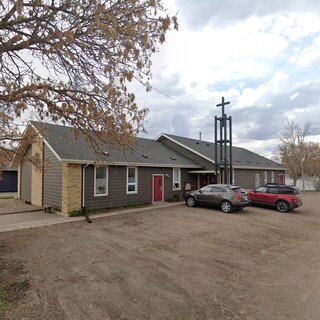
x=167, y=263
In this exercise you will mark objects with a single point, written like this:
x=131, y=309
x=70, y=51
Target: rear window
x=296, y=191
x=286, y=190
x=290, y=190
x=239, y=190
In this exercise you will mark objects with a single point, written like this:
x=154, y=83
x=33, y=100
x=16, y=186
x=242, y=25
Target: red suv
x=283, y=198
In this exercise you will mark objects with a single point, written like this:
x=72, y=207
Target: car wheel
x=282, y=206
x=226, y=207
x=191, y=202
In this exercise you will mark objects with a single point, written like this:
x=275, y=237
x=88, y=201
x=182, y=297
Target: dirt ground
x=11, y=205
x=172, y=263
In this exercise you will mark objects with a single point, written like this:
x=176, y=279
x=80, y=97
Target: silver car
x=226, y=197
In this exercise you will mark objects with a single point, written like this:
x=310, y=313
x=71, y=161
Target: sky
x=261, y=56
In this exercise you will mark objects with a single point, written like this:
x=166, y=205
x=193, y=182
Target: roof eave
x=133, y=164
x=259, y=168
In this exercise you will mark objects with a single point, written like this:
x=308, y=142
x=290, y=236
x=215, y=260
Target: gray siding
x=117, y=187
x=26, y=176
x=207, y=165
x=52, y=180
x=246, y=177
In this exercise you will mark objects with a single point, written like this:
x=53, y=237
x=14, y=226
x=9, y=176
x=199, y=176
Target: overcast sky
x=262, y=56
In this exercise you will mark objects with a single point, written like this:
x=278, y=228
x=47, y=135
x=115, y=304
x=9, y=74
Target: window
x=272, y=176
x=206, y=189
x=273, y=190
x=261, y=189
x=176, y=179
x=265, y=177
x=217, y=189
x=132, y=180
x=257, y=180
x=287, y=190
x=100, y=181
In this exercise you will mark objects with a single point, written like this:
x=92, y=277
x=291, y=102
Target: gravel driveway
x=167, y=263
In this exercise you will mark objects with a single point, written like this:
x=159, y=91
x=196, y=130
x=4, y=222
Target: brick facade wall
x=37, y=173
x=71, y=187
x=19, y=182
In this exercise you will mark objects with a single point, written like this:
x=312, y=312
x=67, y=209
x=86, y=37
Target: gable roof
x=72, y=148
x=7, y=167
x=241, y=157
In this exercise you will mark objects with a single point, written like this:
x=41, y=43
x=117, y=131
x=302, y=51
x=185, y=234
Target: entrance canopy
x=203, y=171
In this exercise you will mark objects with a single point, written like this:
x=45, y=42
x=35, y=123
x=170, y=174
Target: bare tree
x=293, y=148
x=70, y=61
x=312, y=154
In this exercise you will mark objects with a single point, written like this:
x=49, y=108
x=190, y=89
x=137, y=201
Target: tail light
x=238, y=196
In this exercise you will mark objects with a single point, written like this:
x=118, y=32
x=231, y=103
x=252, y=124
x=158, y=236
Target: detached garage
x=8, y=179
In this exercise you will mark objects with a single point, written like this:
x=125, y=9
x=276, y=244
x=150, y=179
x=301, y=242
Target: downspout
x=83, y=208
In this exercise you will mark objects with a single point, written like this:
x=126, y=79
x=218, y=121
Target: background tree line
x=300, y=157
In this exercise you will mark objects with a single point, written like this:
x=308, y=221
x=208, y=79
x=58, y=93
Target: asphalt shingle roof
x=241, y=158
x=69, y=146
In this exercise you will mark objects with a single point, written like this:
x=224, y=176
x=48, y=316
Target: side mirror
x=200, y=191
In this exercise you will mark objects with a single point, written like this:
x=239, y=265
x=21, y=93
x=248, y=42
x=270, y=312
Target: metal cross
x=222, y=104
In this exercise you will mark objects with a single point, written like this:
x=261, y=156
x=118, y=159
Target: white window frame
x=265, y=177
x=135, y=183
x=95, y=181
x=257, y=180
x=176, y=181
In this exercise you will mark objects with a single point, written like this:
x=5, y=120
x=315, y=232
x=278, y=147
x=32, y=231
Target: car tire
x=191, y=202
x=226, y=206
x=282, y=206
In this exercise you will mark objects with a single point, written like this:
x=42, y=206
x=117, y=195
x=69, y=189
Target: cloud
x=265, y=116
x=218, y=14
x=263, y=57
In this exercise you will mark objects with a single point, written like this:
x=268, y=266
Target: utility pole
x=223, y=144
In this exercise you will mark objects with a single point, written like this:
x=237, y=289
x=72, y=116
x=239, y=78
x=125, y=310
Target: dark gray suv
x=226, y=197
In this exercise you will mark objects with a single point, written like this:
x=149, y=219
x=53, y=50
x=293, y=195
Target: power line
x=184, y=105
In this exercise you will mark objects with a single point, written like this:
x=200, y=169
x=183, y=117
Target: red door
x=206, y=179
x=281, y=178
x=157, y=188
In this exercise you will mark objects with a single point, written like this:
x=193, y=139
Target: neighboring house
x=68, y=175
x=8, y=178
x=305, y=183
